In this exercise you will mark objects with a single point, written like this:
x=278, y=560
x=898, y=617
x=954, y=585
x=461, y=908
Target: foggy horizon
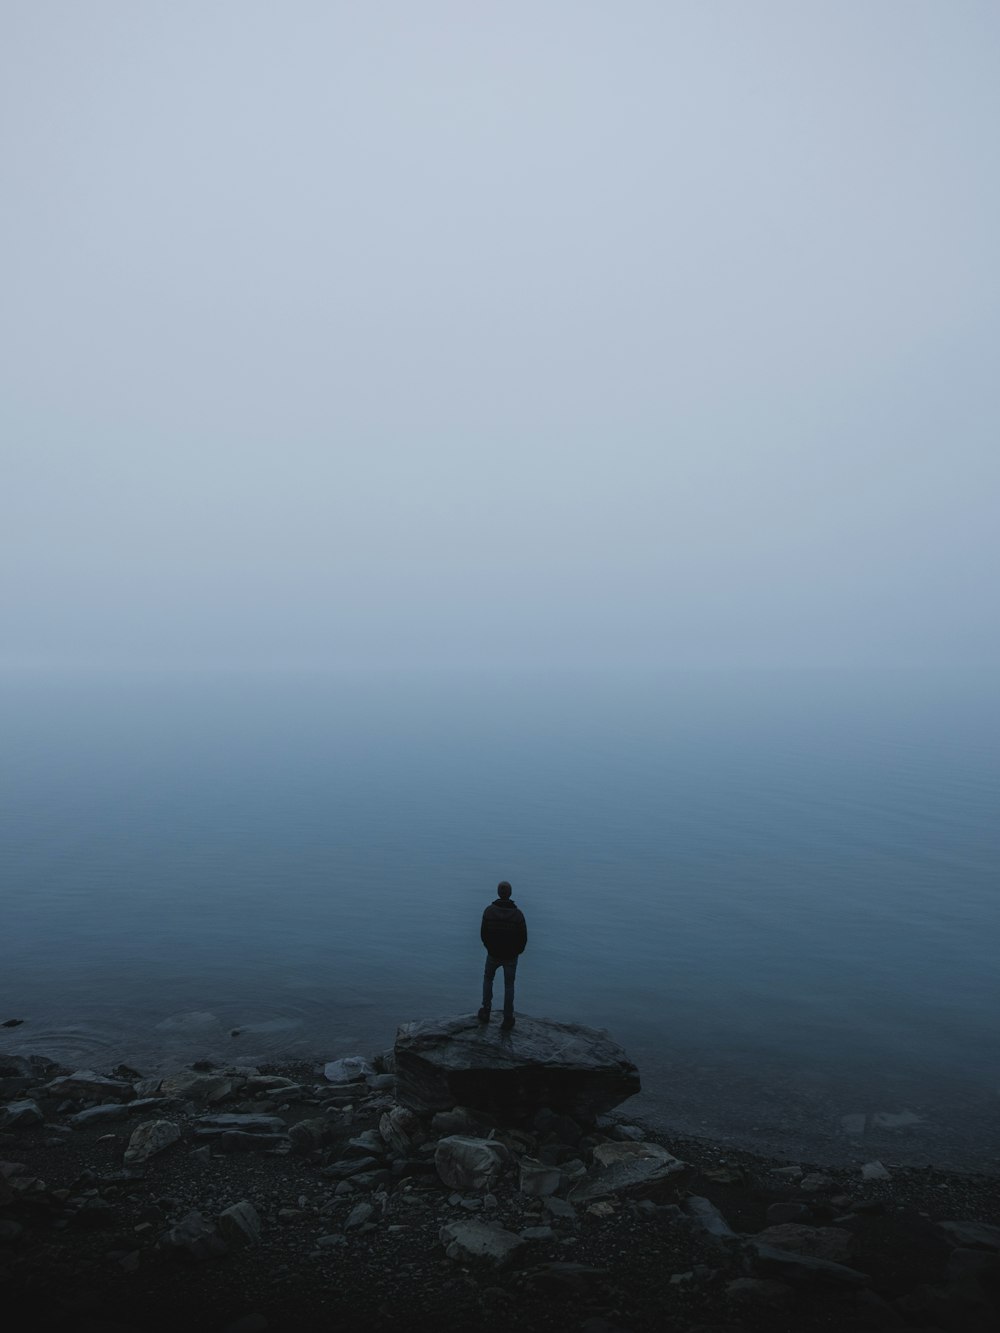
x=515, y=336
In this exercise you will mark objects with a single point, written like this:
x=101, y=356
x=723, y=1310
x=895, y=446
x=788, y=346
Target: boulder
x=469, y=1164
x=442, y=1063
x=629, y=1168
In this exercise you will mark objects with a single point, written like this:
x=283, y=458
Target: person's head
x=503, y=889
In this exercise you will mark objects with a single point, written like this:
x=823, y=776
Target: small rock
x=538, y=1233
x=479, y=1240
x=195, y=1236
x=815, y=1181
x=350, y=1069
x=308, y=1135
x=537, y=1179
x=760, y=1292
x=244, y=1122
x=706, y=1216
x=970, y=1235
x=467, y=1163
x=331, y=1240
x=85, y=1085
x=400, y=1128
x=629, y=1168
x=348, y=1166
x=12, y=1022
x=359, y=1216
x=803, y=1268
x=152, y=1136
x=239, y=1224
x=874, y=1171
x=99, y=1115
x=833, y=1243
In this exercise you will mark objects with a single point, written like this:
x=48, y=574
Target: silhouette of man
x=505, y=935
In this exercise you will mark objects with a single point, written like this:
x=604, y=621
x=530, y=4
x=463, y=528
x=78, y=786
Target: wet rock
x=538, y=1233
x=564, y=1066
x=814, y=1182
x=20, y=1115
x=874, y=1171
x=480, y=1240
x=561, y=1208
x=537, y=1179
x=629, y=1168
x=833, y=1243
x=467, y=1163
x=151, y=1137
x=85, y=1086
x=194, y=1235
x=350, y=1069
x=239, y=1224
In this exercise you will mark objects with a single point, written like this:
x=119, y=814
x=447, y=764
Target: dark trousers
x=509, y=966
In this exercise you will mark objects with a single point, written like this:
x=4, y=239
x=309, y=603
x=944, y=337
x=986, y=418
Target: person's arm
x=523, y=933
x=482, y=931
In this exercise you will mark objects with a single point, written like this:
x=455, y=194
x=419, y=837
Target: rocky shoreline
x=243, y=1199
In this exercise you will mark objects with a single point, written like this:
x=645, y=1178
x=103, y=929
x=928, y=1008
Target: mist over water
x=777, y=890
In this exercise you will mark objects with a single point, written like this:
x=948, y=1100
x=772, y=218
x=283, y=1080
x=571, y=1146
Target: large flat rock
x=446, y=1062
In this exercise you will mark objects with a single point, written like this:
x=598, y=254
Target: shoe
x=483, y=1016
x=508, y=1023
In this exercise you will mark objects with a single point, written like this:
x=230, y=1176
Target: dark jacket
x=503, y=930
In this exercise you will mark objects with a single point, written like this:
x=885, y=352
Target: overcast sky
x=499, y=332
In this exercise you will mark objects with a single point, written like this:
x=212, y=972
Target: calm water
x=779, y=892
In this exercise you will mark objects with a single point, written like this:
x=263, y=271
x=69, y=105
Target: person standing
x=504, y=934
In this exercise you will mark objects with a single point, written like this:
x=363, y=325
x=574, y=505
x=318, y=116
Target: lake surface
x=780, y=892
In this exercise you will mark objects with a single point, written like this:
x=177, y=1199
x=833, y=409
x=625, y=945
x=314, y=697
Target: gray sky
x=499, y=331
